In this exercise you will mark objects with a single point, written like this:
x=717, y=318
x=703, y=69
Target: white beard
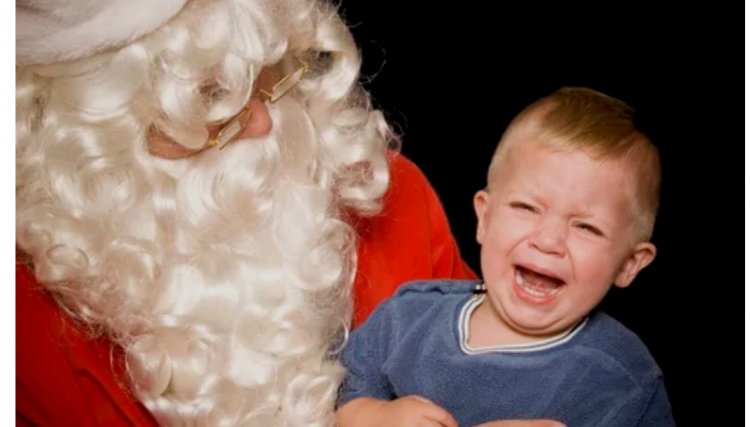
x=226, y=277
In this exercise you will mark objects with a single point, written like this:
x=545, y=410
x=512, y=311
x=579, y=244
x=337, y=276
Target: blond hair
x=577, y=118
x=226, y=276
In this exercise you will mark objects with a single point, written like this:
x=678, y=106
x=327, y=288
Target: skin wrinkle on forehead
x=529, y=131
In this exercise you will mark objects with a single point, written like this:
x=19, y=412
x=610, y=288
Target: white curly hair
x=226, y=276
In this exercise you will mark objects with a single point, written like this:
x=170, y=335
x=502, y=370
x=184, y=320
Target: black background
x=450, y=78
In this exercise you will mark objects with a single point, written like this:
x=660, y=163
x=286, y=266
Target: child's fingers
x=522, y=423
x=420, y=398
x=436, y=413
x=442, y=417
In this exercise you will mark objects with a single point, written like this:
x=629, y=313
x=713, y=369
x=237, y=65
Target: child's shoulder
x=423, y=302
x=435, y=288
x=414, y=298
x=610, y=335
x=616, y=345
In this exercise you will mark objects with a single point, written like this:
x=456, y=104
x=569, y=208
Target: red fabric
x=410, y=239
x=64, y=378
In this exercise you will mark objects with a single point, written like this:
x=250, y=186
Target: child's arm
x=658, y=413
x=413, y=411
x=523, y=423
x=366, y=397
x=404, y=411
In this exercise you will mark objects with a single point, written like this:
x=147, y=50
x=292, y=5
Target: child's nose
x=549, y=238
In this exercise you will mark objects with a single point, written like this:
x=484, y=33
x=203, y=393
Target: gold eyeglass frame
x=234, y=125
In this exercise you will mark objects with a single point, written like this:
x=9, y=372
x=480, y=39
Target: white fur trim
x=59, y=30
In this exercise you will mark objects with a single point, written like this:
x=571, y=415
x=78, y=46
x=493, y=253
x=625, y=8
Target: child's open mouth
x=536, y=287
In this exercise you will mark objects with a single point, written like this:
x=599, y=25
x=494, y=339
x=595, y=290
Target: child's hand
x=522, y=423
x=414, y=411
x=405, y=411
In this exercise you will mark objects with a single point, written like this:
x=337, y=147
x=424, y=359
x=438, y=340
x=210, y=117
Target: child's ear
x=639, y=258
x=481, y=203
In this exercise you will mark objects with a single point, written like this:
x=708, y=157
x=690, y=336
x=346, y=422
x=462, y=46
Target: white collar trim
x=463, y=334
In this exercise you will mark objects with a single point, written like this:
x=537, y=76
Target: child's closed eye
x=589, y=228
x=523, y=206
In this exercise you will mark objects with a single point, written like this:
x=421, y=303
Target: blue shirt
x=597, y=374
